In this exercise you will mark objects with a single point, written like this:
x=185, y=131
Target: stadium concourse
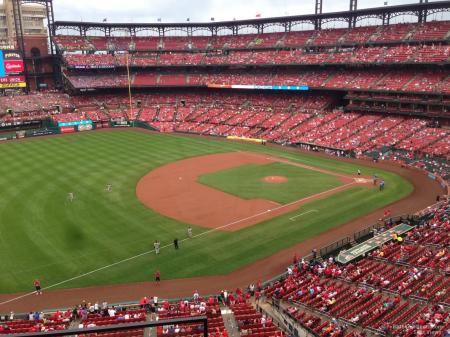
x=373, y=95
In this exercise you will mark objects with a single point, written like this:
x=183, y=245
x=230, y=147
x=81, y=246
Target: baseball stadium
x=272, y=176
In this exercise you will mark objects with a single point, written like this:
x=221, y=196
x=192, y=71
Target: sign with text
x=259, y=87
x=13, y=81
x=12, y=62
x=74, y=123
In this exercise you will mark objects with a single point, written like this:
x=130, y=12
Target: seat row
x=436, y=81
x=362, y=55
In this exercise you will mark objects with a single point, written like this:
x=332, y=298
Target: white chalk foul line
x=297, y=163
x=299, y=215
x=171, y=244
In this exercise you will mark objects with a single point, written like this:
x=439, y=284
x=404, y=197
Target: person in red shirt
x=231, y=298
x=295, y=259
x=37, y=286
x=166, y=305
x=144, y=302
x=257, y=296
x=157, y=276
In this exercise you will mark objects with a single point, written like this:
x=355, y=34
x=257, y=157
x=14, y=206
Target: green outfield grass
x=44, y=236
x=247, y=182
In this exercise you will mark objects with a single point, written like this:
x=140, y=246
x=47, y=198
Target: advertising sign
x=84, y=127
x=259, y=87
x=11, y=66
x=67, y=129
x=13, y=81
x=75, y=123
x=12, y=124
x=13, y=62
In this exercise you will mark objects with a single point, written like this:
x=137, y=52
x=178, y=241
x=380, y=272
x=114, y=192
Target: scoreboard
x=11, y=70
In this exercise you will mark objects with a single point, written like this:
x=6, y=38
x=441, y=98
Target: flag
x=212, y=18
x=104, y=20
x=159, y=19
x=258, y=15
x=188, y=19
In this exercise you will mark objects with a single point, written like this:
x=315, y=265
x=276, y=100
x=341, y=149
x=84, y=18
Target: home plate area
x=362, y=181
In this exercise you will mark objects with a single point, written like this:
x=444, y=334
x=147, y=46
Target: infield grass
x=43, y=235
x=247, y=182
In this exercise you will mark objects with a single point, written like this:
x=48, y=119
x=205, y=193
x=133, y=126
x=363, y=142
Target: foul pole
x=129, y=86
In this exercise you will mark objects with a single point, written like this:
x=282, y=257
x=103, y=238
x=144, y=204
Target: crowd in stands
x=378, y=292
x=432, y=106
x=252, y=323
x=89, y=315
x=404, y=32
x=437, y=165
x=42, y=100
x=362, y=55
x=36, y=322
x=436, y=81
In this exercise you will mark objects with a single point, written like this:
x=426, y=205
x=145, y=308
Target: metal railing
x=334, y=247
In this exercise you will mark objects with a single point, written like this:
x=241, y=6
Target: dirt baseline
x=173, y=191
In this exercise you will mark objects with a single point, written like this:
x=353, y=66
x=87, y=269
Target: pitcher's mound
x=275, y=179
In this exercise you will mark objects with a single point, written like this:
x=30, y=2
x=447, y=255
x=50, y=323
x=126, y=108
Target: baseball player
x=157, y=246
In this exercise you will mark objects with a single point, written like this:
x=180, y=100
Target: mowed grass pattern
x=247, y=182
x=44, y=236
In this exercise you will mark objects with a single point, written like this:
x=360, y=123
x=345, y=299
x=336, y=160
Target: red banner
x=12, y=79
x=14, y=66
x=67, y=129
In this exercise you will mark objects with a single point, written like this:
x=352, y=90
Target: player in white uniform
x=156, y=245
x=108, y=188
x=189, y=232
x=71, y=196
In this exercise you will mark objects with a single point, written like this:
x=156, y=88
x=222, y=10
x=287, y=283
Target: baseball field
x=106, y=237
